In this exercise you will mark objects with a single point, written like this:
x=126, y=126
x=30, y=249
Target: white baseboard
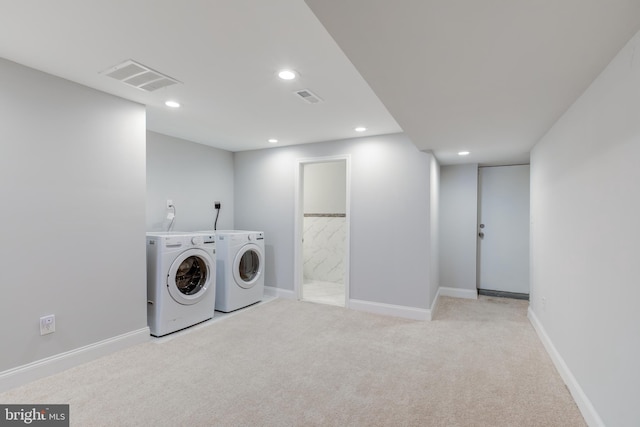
x=279, y=293
x=24, y=374
x=390, y=309
x=584, y=404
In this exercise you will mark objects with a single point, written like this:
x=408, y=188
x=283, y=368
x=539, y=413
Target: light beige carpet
x=287, y=363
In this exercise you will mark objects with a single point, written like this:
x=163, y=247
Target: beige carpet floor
x=288, y=363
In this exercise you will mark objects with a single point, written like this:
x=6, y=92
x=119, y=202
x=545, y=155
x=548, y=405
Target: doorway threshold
x=503, y=294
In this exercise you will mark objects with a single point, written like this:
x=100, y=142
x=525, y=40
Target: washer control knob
x=250, y=237
x=197, y=240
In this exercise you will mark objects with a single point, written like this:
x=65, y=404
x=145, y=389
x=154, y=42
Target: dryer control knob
x=250, y=237
x=197, y=240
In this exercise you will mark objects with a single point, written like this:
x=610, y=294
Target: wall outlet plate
x=48, y=324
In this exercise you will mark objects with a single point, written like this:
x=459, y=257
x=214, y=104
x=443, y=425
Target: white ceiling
x=489, y=76
x=226, y=53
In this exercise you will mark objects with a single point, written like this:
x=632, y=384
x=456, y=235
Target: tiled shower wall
x=324, y=247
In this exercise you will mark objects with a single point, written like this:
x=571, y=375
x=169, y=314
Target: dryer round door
x=189, y=277
x=248, y=265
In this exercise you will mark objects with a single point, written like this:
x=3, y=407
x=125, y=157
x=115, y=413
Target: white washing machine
x=240, y=269
x=181, y=280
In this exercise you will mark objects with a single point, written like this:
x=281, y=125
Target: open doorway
x=322, y=230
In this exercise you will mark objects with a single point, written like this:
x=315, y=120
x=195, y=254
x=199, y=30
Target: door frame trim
x=298, y=219
x=492, y=292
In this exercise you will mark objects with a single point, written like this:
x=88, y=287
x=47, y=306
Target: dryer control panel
x=255, y=236
x=209, y=238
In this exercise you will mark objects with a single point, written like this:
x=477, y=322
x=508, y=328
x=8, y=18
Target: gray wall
x=194, y=176
x=390, y=208
x=458, y=223
x=585, y=234
x=72, y=168
x=324, y=187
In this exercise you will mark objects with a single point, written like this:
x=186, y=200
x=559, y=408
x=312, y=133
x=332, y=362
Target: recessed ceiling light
x=272, y=141
x=172, y=104
x=287, y=74
x=463, y=153
x=360, y=129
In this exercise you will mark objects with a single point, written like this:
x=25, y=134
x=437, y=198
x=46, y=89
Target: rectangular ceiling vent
x=139, y=76
x=308, y=96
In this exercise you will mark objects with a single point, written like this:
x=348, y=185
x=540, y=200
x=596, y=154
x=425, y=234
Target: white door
x=503, y=229
x=190, y=276
x=248, y=265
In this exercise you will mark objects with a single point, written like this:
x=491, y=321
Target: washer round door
x=248, y=266
x=190, y=276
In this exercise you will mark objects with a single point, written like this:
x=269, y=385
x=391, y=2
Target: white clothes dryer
x=181, y=280
x=240, y=269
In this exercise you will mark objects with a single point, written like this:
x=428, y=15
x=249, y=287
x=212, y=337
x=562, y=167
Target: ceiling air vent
x=139, y=76
x=308, y=96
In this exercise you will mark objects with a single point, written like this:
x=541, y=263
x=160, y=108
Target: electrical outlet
x=216, y=205
x=169, y=203
x=48, y=324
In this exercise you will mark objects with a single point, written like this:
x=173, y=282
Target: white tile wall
x=324, y=248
